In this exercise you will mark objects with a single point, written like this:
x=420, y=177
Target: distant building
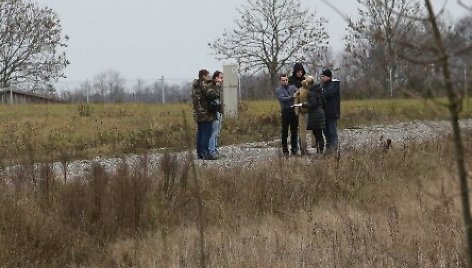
x=14, y=96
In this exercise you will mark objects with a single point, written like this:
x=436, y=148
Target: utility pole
x=87, y=92
x=163, y=91
x=466, y=95
x=465, y=82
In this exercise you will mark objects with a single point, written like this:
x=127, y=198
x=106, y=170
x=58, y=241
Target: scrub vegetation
x=369, y=207
x=46, y=133
x=366, y=208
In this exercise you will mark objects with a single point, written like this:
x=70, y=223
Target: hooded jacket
x=294, y=79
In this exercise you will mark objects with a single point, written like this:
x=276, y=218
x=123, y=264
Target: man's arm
x=283, y=96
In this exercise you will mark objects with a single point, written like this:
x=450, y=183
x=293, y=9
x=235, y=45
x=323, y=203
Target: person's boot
x=210, y=157
x=285, y=152
x=305, y=152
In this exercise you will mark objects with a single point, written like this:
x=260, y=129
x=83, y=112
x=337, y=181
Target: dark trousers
x=318, y=133
x=331, y=134
x=289, y=120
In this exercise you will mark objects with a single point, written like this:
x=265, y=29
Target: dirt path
x=248, y=154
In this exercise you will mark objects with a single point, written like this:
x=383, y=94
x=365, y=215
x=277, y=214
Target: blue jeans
x=331, y=134
x=215, y=134
x=203, y=137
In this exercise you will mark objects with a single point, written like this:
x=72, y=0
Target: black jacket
x=332, y=93
x=294, y=79
x=316, y=105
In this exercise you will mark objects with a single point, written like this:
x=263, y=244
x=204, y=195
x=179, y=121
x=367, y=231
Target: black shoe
x=210, y=157
x=285, y=153
x=305, y=152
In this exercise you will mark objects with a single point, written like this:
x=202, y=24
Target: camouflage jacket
x=202, y=94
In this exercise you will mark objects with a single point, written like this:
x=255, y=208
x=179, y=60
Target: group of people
x=207, y=112
x=307, y=105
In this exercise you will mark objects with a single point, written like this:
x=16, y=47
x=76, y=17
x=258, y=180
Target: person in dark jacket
x=286, y=94
x=202, y=94
x=298, y=75
x=316, y=115
x=331, y=90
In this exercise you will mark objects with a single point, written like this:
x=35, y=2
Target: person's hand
x=296, y=94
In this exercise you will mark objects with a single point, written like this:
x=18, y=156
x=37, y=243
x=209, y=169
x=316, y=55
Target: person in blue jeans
x=202, y=94
x=217, y=79
x=332, y=93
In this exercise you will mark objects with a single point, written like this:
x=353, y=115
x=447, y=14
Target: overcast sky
x=145, y=39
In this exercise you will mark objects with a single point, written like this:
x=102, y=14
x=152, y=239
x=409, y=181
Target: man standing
x=217, y=79
x=202, y=93
x=286, y=94
x=331, y=91
x=297, y=76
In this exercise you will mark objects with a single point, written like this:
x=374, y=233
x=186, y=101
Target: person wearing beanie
x=327, y=72
x=332, y=92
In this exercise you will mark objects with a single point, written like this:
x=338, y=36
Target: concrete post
x=230, y=90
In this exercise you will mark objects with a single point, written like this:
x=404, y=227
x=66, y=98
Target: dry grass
x=44, y=133
x=366, y=209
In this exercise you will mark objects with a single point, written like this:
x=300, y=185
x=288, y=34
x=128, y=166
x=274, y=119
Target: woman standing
x=316, y=115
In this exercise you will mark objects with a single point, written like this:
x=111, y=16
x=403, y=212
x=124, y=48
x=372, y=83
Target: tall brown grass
x=371, y=208
x=67, y=132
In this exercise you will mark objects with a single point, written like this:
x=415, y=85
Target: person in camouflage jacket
x=203, y=92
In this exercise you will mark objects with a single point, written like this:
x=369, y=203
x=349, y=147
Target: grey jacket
x=285, y=96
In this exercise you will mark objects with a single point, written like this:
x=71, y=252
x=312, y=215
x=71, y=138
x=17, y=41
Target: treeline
x=374, y=64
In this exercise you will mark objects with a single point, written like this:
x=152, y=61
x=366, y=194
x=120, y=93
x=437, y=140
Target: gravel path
x=248, y=154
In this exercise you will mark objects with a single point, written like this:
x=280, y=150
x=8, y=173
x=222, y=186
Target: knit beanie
x=327, y=72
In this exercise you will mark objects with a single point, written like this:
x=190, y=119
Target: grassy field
x=72, y=131
x=368, y=208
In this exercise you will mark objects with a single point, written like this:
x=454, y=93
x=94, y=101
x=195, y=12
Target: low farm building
x=14, y=96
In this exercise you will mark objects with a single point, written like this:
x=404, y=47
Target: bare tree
x=455, y=107
x=110, y=86
x=140, y=91
x=86, y=88
x=429, y=46
x=271, y=34
x=461, y=38
x=116, y=85
x=469, y=7
x=100, y=85
x=31, y=43
x=371, y=41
